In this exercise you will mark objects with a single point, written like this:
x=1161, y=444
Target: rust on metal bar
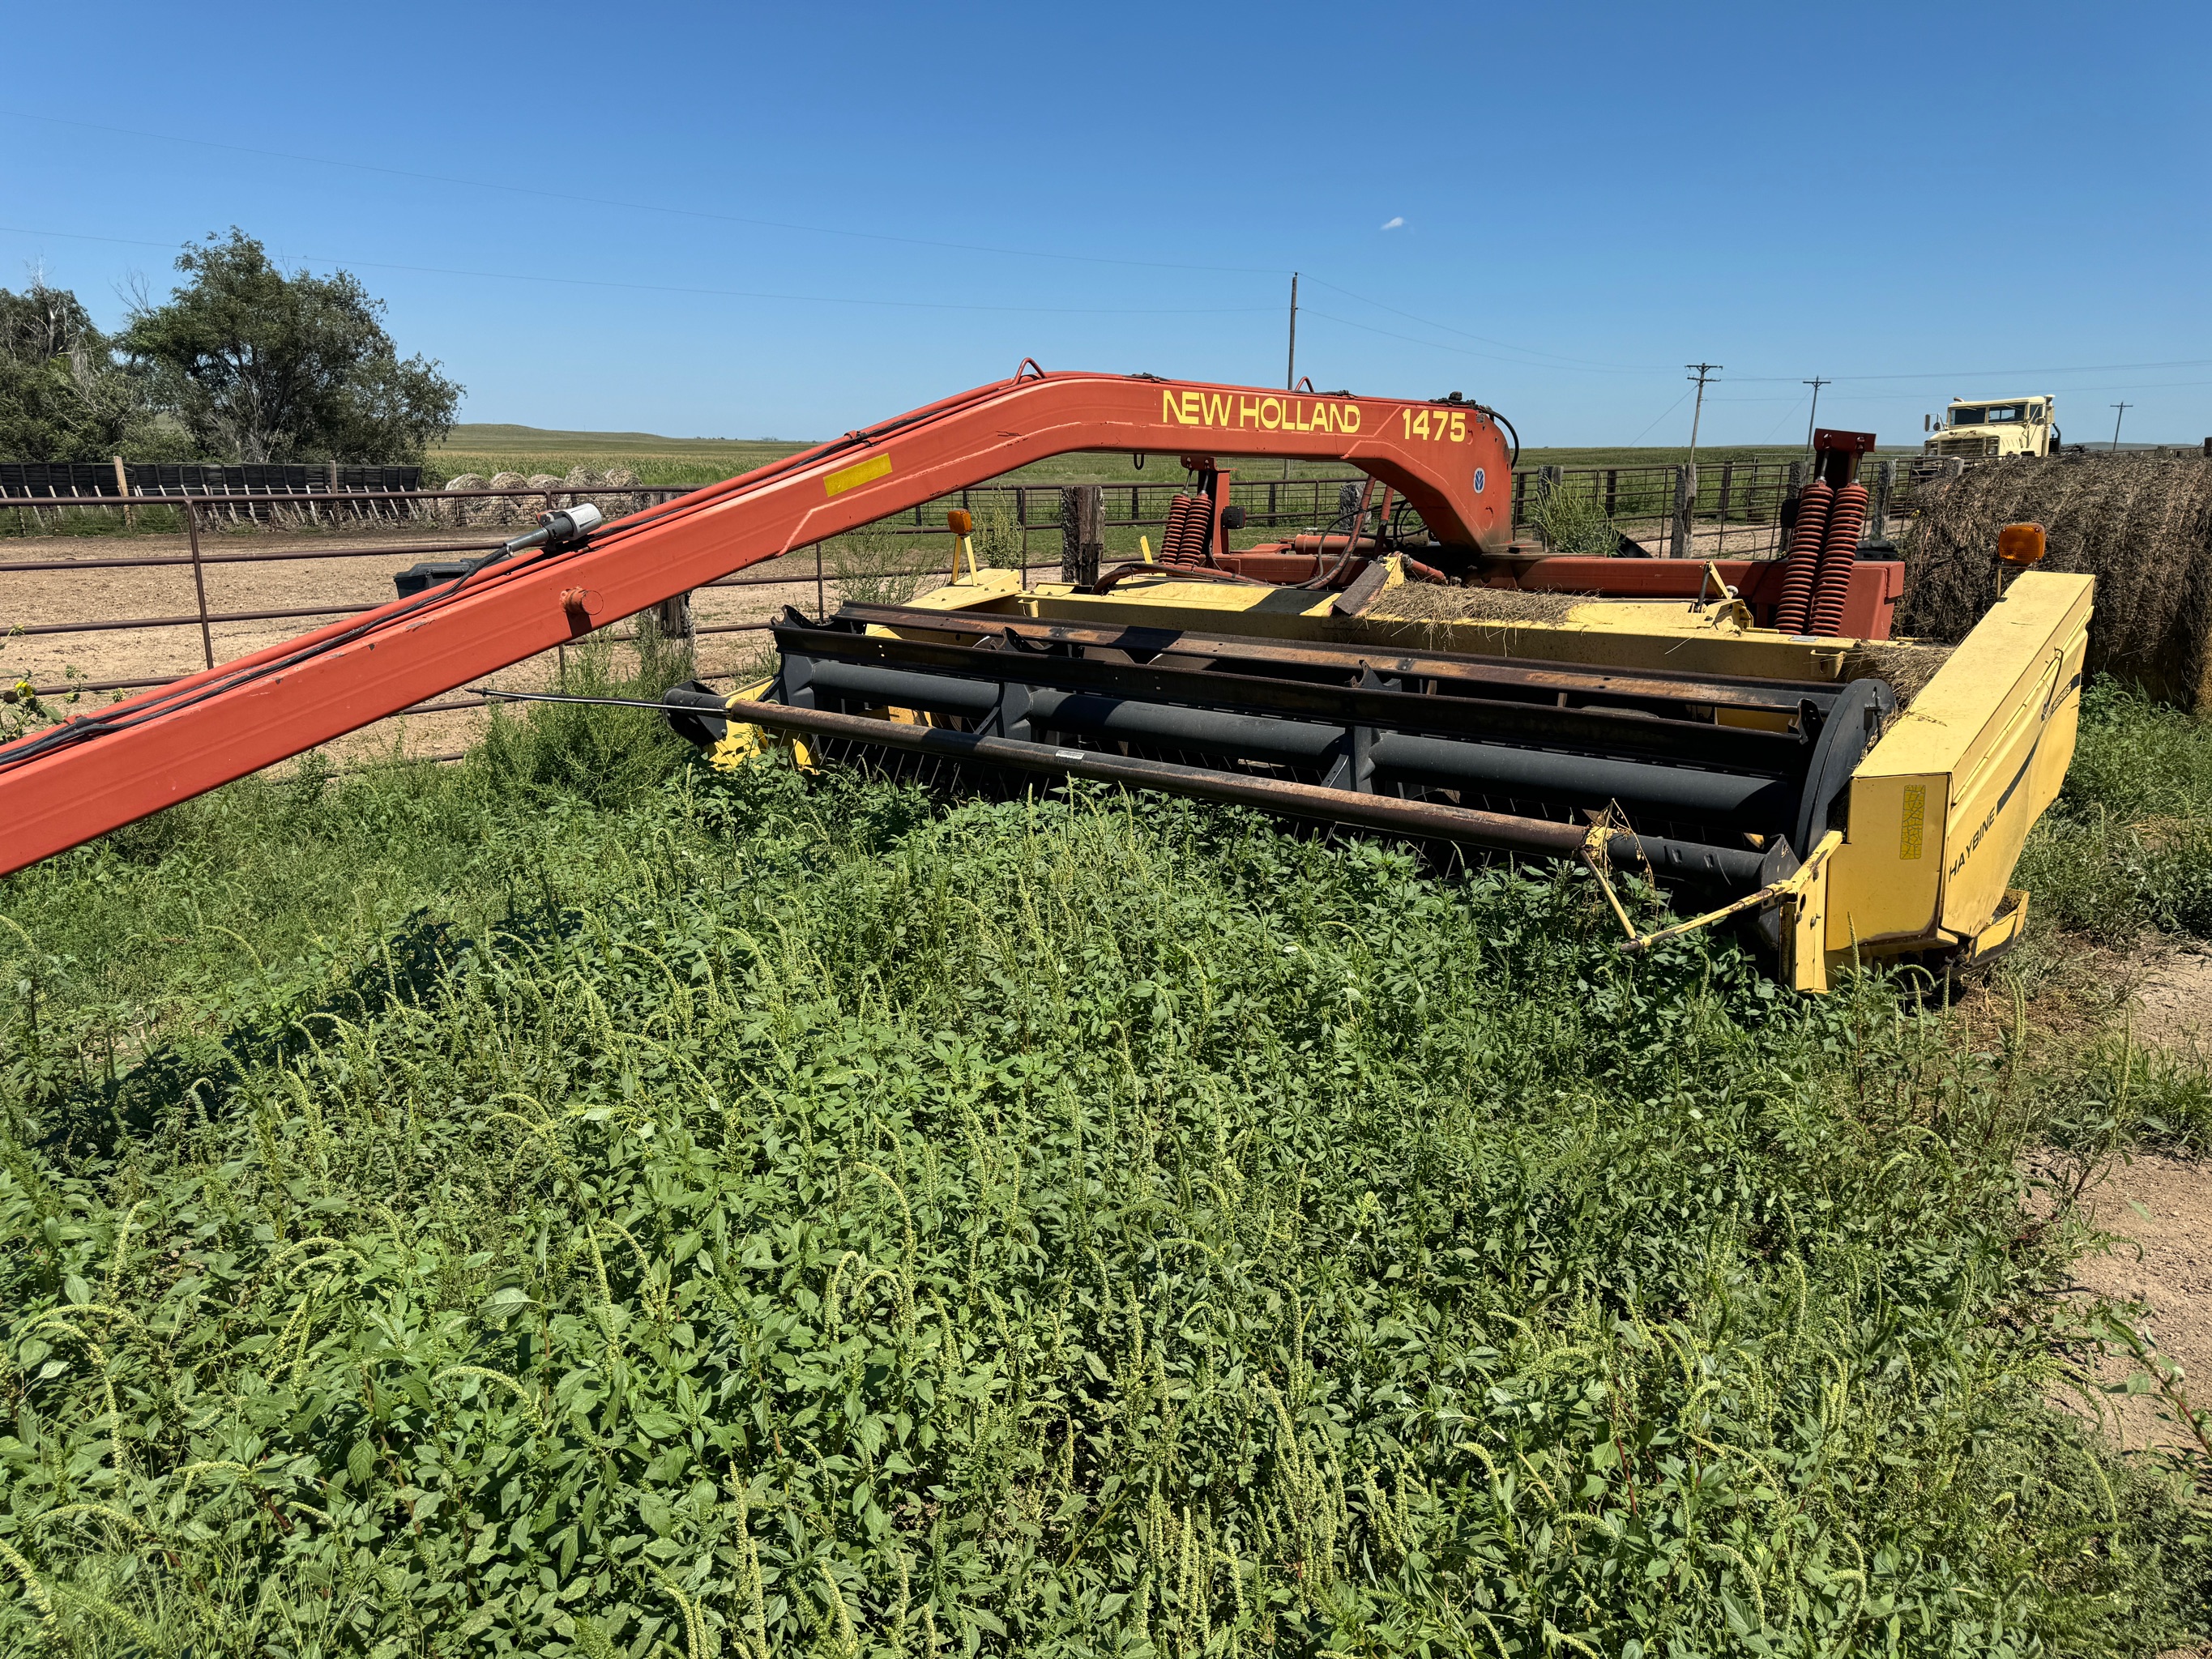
x=199, y=581
x=1776, y=695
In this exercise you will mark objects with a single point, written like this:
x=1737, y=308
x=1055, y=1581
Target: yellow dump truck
x=1988, y=428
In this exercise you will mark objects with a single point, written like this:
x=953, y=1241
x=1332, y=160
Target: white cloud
x=1396, y=222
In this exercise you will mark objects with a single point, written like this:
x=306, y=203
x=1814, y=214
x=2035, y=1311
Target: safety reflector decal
x=853, y=476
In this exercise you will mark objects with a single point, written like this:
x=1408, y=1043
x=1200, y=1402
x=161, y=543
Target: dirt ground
x=2159, y=1210
x=2155, y=1209
x=2174, y=1003
x=263, y=572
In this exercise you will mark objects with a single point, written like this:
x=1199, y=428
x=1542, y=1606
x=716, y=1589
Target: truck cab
x=1986, y=429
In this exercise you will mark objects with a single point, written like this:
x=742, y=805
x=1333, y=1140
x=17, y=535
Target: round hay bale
x=617, y=506
x=456, y=514
x=502, y=510
x=2141, y=523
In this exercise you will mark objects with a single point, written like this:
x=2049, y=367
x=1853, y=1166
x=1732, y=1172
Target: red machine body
x=66, y=785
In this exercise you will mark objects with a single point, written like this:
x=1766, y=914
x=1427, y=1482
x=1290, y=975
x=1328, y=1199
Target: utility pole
x=1681, y=543
x=1813, y=419
x=2116, y=419
x=1290, y=372
x=1704, y=372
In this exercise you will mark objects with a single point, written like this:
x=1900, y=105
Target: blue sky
x=740, y=221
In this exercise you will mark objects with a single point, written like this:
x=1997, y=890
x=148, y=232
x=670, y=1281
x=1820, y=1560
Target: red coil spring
x=1840, y=550
x=1189, y=519
x=1794, y=611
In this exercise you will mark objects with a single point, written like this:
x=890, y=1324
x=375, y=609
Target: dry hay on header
x=1433, y=602
x=2141, y=523
x=1905, y=666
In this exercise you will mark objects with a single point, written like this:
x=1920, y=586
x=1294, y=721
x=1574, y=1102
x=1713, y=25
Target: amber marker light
x=2020, y=544
x=960, y=524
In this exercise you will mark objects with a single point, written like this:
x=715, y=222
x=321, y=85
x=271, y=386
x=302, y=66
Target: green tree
x=263, y=366
x=62, y=395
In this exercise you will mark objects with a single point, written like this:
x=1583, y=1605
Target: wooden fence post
x=673, y=618
x=199, y=579
x=1679, y=545
x=1082, y=542
x=1877, y=524
x=1612, y=489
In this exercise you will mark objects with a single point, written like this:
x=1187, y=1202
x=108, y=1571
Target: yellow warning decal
x=1915, y=815
x=853, y=476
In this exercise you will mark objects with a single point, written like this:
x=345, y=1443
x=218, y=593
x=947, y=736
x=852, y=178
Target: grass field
x=573, y=1203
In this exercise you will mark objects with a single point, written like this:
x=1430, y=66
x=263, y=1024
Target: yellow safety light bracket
x=958, y=521
x=1792, y=892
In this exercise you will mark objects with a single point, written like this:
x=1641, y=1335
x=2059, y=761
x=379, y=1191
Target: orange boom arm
x=66, y=785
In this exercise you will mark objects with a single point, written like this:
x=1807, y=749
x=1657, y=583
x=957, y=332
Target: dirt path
x=2174, y=1004
x=2159, y=1210
x=293, y=573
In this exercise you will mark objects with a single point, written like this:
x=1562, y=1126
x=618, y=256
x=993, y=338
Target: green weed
x=1573, y=521
x=2127, y=846
x=592, y=1206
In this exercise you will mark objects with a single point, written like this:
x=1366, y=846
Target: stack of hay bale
x=609, y=490
x=2141, y=523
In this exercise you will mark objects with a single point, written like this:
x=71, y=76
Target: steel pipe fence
x=1731, y=497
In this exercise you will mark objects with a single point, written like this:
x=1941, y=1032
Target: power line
x=1967, y=373
x=1507, y=345
x=1487, y=357
x=1661, y=416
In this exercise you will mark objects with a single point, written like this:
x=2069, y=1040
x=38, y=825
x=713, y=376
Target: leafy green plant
x=2127, y=846
x=761, y=1214
x=998, y=539
x=1573, y=521
x=874, y=567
